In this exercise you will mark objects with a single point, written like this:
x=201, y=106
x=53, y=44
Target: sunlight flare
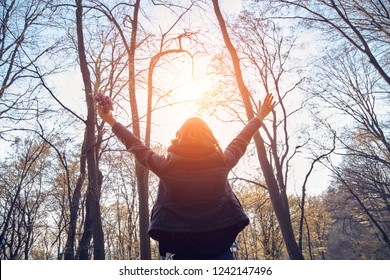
x=194, y=89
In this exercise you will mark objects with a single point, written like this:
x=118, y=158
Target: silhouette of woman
x=196, y=214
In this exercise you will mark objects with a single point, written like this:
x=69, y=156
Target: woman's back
x=195, y=203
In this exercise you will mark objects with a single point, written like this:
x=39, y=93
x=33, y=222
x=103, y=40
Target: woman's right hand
x=106, y=115
x=266, y=107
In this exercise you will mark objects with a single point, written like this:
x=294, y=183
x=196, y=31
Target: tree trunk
x=74, y=208
x=94, y=184
x=142, y=173
x=278, y=197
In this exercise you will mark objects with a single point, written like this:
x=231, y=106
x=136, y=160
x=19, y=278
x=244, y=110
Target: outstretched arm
x=143, y=154
x=236, y=149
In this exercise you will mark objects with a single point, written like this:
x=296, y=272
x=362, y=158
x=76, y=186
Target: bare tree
x=21, y=197
x=23, y=45
x=130, y=24
x=19, y=34
x=106, y=66
x=130, y=47
x=348, y=84
x=364, y=24
x=275, y=182
x=93, y=225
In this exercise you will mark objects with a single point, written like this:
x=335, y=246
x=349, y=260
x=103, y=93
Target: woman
x=196, y=214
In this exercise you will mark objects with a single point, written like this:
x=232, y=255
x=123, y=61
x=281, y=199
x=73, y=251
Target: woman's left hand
x=266, y=107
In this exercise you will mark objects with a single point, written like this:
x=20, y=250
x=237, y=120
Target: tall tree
x=93, y=223
x=364, y=24
x=349, y=85
x=21, y=197
x=131, y=45
x=276, y=184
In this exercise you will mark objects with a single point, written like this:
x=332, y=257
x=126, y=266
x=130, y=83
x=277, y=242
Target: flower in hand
x=105, y=107
x=104, y=101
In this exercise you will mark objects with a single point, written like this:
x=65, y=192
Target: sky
x=165, y=126
x=190, y=90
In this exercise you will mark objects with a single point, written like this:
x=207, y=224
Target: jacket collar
x=191, y=152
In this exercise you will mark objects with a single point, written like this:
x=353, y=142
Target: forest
x=314, y=181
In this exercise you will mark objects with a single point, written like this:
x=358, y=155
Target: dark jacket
x=194, y=194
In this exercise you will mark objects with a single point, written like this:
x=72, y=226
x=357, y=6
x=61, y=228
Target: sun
x=194, y=89
x=185, y=102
